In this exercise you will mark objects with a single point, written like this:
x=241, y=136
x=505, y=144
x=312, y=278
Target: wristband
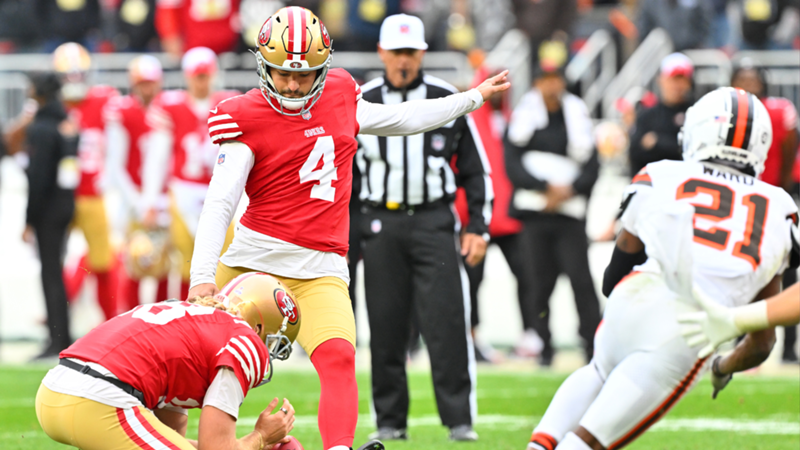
x=751, y=317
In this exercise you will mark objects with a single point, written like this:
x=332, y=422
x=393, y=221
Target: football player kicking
x=290, y=145
x=126, y=385
x=742, y=241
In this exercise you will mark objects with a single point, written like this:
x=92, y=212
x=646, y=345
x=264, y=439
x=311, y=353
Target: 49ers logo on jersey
x=286, y=305
x=326, y=38
x=265, y=33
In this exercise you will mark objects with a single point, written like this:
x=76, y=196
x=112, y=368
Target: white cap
x=402, y=31
x=677, y=64
x=199, y=60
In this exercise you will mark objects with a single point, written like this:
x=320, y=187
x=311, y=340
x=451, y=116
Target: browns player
x=85, y=105
x=127, y=135
x=178, y=119
x=127, y=384
x=290, y=145
x=740, y=233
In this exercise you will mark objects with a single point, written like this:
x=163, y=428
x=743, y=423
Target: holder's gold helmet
x=294, y=40
x=72, y=62
x=269, y=307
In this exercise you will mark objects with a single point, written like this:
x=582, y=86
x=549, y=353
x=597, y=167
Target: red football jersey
x=300, y=184
x=201, y=23
x=130, y=113
x=171, y=351
x=193, y=153
x=92, y=143
x=783, y=116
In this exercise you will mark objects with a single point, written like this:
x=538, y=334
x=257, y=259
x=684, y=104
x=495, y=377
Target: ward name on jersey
x=299, y=186
x=743, y=233
x=171, y=351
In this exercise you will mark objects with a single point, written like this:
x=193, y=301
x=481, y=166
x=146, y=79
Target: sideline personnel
x=412, y=265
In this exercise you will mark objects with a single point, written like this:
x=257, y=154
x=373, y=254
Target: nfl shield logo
x=375, y=226
x=404, y=29
x=437, y=142
x=221, y=158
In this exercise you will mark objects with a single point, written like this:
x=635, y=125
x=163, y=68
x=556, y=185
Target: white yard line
x=699, y=424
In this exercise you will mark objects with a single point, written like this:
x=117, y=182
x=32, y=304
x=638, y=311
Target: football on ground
x=753, y=412
x=293, y=444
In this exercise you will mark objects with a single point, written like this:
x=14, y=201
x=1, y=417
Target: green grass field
x=752, y=413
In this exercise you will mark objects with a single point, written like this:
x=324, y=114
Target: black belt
x=93, y=373
x=393, y=206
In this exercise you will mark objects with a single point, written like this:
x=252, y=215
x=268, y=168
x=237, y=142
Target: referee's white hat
x=402, y=31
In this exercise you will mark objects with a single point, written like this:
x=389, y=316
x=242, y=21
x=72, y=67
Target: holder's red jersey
x=783, y=116
x=130, y=113
x=92, y=142
x=193, y=153
x=171, y=351
x=299, y=186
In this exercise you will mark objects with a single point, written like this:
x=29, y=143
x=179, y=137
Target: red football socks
x=106, y=293
x=335, y=361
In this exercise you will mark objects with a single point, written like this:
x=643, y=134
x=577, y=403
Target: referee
x=412, y=247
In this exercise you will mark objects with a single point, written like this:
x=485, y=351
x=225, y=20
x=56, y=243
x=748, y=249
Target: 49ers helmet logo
x=296, y=65
x=326, y=38
x=286, y=305
x=265, y=33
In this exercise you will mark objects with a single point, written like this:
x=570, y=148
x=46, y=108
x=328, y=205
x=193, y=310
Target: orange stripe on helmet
x=741, y=118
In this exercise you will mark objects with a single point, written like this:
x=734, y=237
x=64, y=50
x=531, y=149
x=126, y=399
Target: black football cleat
x=372, y=445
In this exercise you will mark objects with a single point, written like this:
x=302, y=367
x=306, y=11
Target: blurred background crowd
x=600, y=88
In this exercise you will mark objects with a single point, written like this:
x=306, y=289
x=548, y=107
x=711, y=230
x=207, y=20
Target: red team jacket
x=171, y=351
x=299, y=186
x=92, y=143
x=193, y=153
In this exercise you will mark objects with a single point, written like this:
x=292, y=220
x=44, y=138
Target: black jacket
x=47, y=147
x=552, y=139
x=665, y=122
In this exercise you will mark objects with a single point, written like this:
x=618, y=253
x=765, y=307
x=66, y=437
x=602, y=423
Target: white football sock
x=572, y=442
x=570, y=403
x=339, y=447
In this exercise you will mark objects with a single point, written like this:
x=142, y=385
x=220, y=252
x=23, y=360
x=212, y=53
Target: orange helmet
x=72, y=62
x=294, y=40
x=269, y=307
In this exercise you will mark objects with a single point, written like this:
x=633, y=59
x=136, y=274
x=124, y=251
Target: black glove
x=718, y=380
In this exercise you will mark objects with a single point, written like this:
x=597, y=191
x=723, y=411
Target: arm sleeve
x=45, y=155
x=621, y=262
x=118, y=146
x=516, y=172
x=224, y=193
x=416, y=116
x=246, y=356
x=225, y=392
x=474, y=174
x=589, y=172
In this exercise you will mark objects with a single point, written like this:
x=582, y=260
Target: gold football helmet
x=294, y=40
x=72, y=62
x=147, y=254
x=269, y=307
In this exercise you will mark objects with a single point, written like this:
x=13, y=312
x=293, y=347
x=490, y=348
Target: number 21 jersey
x=300, y=183
x=745, y=230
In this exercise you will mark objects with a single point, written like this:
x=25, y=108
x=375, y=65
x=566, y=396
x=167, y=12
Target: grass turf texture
x=752, y=413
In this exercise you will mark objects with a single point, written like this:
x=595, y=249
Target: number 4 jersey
x=745, y=230
x=171, y=351
x=300, y=183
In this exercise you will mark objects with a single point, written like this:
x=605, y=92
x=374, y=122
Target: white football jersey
x=745, y=230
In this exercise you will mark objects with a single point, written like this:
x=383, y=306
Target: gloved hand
x=718, y=380
x=713, y=326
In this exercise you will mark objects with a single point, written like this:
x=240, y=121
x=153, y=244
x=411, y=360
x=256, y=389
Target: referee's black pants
x=558, y=244
x=412, y=266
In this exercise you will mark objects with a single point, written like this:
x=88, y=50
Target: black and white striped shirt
x=403, y=171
